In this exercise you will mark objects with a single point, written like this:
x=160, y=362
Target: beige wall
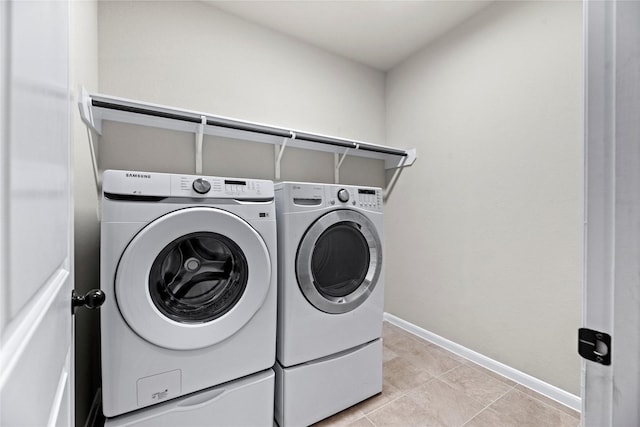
x=194, y=56
x=483, y=233
x=84, y=71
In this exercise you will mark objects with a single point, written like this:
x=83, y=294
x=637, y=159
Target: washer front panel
x=339, y=261
x=192, y=278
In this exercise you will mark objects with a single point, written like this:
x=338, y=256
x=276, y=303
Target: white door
x=36, y=273
x=611, y=394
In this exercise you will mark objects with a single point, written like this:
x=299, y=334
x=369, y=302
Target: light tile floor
x=425, y=385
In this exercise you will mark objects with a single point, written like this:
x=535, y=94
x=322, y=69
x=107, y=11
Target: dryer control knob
x=201, y=186
x=343, y=195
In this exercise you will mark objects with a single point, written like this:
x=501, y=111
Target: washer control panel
x=192, y=186
x=211, y=186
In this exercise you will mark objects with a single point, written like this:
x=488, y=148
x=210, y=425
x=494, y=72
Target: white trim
x=5, y=274
x=546, y=389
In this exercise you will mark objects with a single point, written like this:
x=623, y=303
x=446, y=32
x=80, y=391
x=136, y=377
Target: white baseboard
x=546, y=389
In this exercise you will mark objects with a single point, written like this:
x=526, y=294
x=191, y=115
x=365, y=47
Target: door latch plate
x=594, y=346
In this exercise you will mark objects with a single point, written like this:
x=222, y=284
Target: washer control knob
x=201, y=186
x=343, y=195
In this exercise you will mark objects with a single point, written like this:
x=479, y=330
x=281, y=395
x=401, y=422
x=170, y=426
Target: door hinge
x=594, y=346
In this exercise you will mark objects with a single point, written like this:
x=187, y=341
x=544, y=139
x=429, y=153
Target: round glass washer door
x=339, y=261
x=192, y=278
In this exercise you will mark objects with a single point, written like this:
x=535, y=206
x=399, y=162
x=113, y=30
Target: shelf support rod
x=280, y=152
x=199, y=137
x=337, y=162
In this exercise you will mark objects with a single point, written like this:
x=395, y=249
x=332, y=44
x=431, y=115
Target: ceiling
x=377, y=33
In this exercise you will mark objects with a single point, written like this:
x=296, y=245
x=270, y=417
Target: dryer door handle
x=92, y=299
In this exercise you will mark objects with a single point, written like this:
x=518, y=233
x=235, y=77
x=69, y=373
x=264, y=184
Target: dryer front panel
x=192, y=278
x=339, y=261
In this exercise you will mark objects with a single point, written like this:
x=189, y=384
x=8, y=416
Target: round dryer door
x=192, y=278
x=339, y=261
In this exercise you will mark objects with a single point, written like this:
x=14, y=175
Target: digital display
x=232, y=182
x=363, y=191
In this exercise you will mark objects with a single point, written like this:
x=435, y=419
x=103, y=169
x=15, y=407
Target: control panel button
x=201, y=186
x=343, y=195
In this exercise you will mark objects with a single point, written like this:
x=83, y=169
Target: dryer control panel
x=369, y=198
x=177, y=185
x=304, y=196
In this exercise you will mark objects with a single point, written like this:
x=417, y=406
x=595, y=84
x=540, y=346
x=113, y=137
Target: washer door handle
x=92, y=299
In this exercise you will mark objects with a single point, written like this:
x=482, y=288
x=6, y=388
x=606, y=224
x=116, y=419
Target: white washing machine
x=330, y=299
x=188, y=265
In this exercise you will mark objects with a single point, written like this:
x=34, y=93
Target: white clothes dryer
x=188, y=266
x=330, y=299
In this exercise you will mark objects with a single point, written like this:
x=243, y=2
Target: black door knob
x=92, y=299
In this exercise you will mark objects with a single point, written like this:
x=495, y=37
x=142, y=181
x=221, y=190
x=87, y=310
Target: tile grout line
x=403, y=394
x=489, y=377
x=446, y=372
x=370, y=420
x=383, y=405
x=399, y=355
x=487, y=407
x=514, y=388
x=474, y=417
x=545, y=403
